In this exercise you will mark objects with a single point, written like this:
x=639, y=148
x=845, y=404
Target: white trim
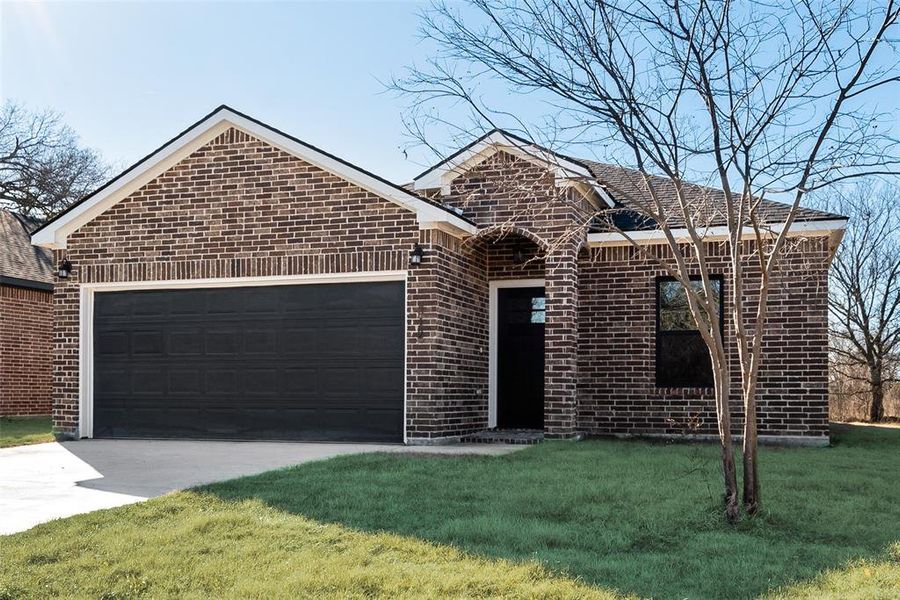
x=493, y=286
x=86, y=363
x=54, y=235
x=655, y=236
x=566, y=172
x=86, y=321
x=349, y=277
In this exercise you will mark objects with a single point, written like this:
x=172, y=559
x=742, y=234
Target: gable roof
x=21, y=263
x=428, y=212
x=565, y=168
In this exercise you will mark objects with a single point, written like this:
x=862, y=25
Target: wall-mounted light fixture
x=415, y=257
x=65, y=267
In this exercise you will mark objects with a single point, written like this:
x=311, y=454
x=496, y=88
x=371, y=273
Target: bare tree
x=761, y=99
x=43, y=169
x=864, y=295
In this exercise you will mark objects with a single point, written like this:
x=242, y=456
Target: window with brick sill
x=682, y=359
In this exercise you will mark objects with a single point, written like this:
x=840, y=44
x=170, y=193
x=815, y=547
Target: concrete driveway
x=43, y=482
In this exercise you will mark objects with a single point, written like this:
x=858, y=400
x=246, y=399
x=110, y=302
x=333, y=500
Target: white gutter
x=711, y=234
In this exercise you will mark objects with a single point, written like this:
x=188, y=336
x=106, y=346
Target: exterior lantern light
x=65, y=267
x=415, y=257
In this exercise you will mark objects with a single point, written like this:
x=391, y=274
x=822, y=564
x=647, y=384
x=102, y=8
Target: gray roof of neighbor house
x=20, y=262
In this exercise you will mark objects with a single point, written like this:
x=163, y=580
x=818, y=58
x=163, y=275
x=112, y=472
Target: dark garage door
x=305, y=362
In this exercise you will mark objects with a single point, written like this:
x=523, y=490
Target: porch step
x=506, y=436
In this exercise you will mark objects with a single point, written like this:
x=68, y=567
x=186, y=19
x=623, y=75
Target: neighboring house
x=26, y=319
x=240, y=283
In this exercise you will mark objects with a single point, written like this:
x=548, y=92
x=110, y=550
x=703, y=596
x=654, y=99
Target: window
x=682, y=359
x=532, y=309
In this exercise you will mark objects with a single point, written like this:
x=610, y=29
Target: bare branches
x=42, y=168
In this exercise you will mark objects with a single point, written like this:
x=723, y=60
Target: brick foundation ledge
x=573, y=436
x=764, y=440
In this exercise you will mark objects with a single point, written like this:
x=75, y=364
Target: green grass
x=20, y=431
x=189, y=545
x=629, y=518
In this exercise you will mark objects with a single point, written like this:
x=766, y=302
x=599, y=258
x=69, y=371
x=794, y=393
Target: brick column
x=66, y=303
x=561, y=343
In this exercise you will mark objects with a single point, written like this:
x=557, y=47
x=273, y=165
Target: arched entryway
x=517, y=320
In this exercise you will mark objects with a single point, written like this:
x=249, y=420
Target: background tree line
x=864, y=302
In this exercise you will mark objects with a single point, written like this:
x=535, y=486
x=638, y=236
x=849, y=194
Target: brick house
x=26, y=319
x=240, y=283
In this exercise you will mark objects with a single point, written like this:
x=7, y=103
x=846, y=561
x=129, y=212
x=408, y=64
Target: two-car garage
x=314, y=361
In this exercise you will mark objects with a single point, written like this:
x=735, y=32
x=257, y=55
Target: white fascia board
x=656, y=236
x=565, y=171
x=54, y=235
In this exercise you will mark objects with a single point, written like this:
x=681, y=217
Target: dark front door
x=295, y=362
x=520, y=358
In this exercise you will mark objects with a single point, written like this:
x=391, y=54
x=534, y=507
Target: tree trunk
x=732, y=509
x=751, y=479
x=729, y=471
x=876, y=410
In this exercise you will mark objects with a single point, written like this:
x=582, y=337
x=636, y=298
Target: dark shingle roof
x=624, y=184
x=18, y=258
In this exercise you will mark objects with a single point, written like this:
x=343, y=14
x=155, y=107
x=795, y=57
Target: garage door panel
x=145, y=343
x=300, y=382
x=146, y=382
x=264, y=300
x=260, y=382
x=377, y=339
x=339, y=340
x=221, y=382
x=185, y=342
x=191, y=302
x=219, y=303
x=185, y=381
x=299, y=341
x=383, y=380
x=113, y=306
x=275, y=362
x=149, y=305
x=260, y=341
x=222, y=341
x=112, y=343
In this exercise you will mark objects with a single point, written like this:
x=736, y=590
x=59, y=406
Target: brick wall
x=235, y=208
x=238, y=207
x=617, y=326
x=448, y=339
x=25, y=351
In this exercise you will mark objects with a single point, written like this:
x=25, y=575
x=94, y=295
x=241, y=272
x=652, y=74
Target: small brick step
x=506, y=436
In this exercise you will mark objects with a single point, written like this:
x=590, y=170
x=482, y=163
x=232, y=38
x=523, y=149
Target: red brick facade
x=25, y=349
x=239, y=207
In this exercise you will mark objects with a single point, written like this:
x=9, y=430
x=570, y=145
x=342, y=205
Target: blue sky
x=128, y=76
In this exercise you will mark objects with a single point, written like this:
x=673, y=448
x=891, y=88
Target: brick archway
x=499, y=232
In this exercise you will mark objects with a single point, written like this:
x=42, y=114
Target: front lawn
x=630, y=518
x=19, y=431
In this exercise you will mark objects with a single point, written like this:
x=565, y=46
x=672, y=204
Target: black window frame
x=660, y=333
